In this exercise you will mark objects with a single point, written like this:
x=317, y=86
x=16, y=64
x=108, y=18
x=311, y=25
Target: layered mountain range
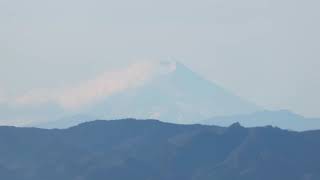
x=153, y=150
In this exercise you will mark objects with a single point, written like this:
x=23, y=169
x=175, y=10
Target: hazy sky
x=266, y=51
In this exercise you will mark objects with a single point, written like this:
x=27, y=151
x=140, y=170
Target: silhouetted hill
x=153, y=150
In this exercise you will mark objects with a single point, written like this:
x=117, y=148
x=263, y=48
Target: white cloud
x=35, y=96
x=93, y=90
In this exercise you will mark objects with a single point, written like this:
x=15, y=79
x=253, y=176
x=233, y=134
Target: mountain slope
x=152, y=150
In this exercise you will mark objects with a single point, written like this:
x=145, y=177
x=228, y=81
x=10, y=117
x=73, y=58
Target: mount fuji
x=173, y=94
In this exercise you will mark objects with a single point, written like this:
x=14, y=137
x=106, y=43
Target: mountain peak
x=235, y=125
x=166, y=67
x=174, y=66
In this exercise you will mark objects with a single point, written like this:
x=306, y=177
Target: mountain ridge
x=154, y=150
x=284, y=119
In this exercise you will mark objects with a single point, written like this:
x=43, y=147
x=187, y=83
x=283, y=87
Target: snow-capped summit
x=168, y=66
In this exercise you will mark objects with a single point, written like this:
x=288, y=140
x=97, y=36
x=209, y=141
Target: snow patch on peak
x=172, y=65
x=167, y=67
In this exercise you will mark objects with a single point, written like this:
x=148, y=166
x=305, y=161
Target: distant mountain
x=174, y=94
x=282, y=118
x=177, y=94
x=168, y=91
x=152, y=150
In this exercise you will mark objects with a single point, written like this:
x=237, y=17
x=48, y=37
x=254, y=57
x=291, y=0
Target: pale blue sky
x=266, y=51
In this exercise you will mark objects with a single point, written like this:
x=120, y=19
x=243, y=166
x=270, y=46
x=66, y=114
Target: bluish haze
x=264, y=51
